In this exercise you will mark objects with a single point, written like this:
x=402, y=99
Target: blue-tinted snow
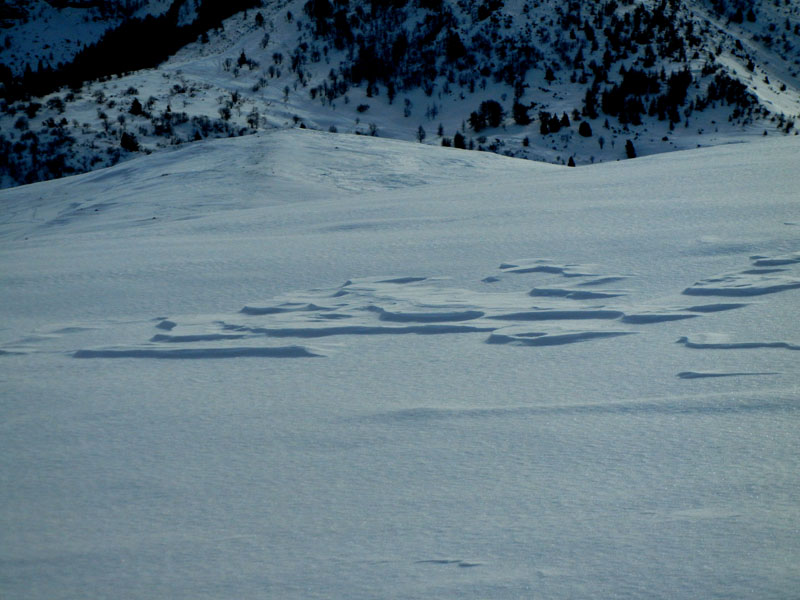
x=580, y=457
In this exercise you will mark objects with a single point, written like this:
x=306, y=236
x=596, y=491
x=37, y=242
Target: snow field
x=627, y=439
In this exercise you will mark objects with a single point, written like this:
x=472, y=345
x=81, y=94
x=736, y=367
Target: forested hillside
x=563, y=82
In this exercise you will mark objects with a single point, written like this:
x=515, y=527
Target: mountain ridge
x=560, y=83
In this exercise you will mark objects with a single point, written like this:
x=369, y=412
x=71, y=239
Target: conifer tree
x=630, y=151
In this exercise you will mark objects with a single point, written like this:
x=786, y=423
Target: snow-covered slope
x=306, y=365
x=548, y=80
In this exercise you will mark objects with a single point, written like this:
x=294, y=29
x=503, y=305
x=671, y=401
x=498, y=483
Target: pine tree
x=630, y=151
x=128, y=142
x=544, y=123
x=136, y=107
x=521, y=116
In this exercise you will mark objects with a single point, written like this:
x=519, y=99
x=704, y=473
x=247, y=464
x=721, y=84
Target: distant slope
x=45, y=33
x=549, y=81
x=271, y=168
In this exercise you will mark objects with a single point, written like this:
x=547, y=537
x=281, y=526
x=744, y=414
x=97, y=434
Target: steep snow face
x=547, y=81
x=306, y=365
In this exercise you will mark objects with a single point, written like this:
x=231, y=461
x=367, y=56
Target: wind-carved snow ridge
x=464, y=564
x=722, y=341
x=754, y=281
x=785, y=259
x=757, y=281
x=198, y=341
x=523, y=337
x=425, y=306
x=279, y=352
x=544, y=315
x=543, y=265
x=707, y=374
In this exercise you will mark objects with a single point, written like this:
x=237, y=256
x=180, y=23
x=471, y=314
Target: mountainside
x=547, y=80
x=42, y=33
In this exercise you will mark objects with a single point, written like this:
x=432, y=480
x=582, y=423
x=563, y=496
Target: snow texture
x=397, y=416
